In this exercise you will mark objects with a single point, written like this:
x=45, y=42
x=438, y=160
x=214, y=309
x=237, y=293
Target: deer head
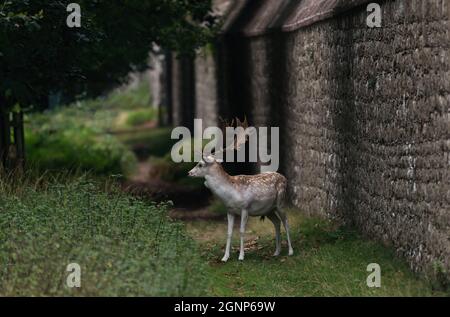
x=205, y=166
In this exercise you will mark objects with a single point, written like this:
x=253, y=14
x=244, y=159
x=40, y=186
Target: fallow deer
x=245, y=195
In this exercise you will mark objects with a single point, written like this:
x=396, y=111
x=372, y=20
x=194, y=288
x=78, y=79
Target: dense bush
x=70, y=144
x=124, y=246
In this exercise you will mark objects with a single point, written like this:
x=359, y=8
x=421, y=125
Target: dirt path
x=142, y=172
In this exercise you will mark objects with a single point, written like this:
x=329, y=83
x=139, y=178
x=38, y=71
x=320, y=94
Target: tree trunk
x=5, y=136
x=12, y=145
x=19, y=140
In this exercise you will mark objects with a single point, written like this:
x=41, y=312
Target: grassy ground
x=125, y=247
x=328, y=261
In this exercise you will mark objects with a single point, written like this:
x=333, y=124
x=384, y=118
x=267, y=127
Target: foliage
x=124, y=246
x=39, y=54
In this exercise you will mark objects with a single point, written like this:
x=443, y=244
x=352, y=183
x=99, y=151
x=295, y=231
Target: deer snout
x=191, y=173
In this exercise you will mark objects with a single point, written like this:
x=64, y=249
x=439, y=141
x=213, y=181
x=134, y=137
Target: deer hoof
x=277, y=253
x=291, y=252
x=241, y=257
x=224, y=259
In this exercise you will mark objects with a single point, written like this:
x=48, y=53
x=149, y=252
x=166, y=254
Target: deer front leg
x=230, y=217
x=244, y=218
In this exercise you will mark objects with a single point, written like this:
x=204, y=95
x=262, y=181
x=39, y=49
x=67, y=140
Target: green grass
x=124, y=246
x=141, y=116
x=328, y=261
x=130, y=99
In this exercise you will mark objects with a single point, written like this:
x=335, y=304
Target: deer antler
x=241, y=135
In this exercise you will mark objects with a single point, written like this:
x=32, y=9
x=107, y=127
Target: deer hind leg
x=276, y=223
x=280, y=212
x=230, y=217
x=244, y=218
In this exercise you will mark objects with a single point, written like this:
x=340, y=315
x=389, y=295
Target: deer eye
x=201, y=164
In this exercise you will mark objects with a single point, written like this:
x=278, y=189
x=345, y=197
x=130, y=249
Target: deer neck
x=219, y=182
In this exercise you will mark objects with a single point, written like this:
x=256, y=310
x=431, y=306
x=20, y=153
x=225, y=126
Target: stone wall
x=176, y=88
x=258, y=85
x=156, y=79
x=367, y=125
x=206, y=103
x=182, y=91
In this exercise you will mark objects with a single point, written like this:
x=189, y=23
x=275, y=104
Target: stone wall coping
x=309, y=12
x=251, y=18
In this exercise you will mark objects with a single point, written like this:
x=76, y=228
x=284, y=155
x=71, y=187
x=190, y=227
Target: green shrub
x=124, y=246
x=166, y=169
x=77, y=147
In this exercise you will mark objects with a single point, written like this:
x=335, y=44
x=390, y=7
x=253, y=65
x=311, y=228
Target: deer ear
x=208, y=159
